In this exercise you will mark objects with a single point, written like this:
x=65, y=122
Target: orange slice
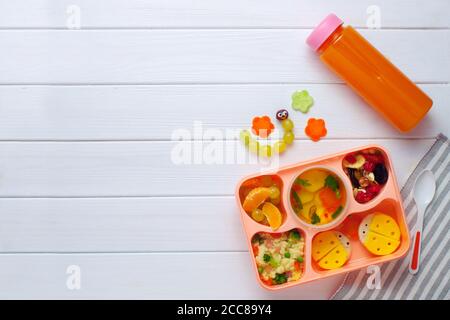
x=255, y=198
x=273, y=215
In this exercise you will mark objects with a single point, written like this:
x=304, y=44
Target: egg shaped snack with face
x=379, y=233
x=282, y=114
x=331, y=249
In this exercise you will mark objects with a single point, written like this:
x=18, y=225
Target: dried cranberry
x=363, y=197
x=360, y=196
x=350, y=158
x=374, y=189
x=369, y=166
x=375, y=158
x=381, y=174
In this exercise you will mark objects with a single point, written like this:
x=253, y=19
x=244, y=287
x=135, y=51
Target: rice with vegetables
x=279, y=257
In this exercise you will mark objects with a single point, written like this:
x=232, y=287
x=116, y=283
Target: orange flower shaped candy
x=262, y=126
x=315, y=129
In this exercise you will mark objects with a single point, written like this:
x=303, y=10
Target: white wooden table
x=86, y=119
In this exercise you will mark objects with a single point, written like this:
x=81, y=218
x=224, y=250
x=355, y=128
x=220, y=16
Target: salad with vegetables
x=279, y=256
x=318, y=196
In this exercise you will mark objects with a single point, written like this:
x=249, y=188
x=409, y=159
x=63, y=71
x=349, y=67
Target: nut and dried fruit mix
x=367, y=172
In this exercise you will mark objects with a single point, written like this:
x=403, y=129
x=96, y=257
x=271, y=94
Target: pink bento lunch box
x=387, y=201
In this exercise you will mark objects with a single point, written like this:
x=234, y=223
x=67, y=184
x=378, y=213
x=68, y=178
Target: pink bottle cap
x=323, y=31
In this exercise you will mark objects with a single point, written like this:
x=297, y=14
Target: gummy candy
x=262, y=126
x=302, y=101
x=315, y=129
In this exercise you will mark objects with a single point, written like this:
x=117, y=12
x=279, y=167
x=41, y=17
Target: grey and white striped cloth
x=433, y=279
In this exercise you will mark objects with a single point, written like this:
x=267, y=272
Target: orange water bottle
x=369, y=73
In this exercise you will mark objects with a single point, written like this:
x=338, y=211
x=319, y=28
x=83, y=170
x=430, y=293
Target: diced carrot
x=267, y=282
x=329, y=199
x=255, y=250
x=276, y=235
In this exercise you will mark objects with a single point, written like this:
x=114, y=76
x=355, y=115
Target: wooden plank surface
x=170, y=224
x=196, y=56
x=149, y=168
x=219, y=13
x=87, y=117
x=140, y=224
x=155, y=112
x=215, y=275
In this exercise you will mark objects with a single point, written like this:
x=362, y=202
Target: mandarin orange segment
x=273, y=215
x=255, y=198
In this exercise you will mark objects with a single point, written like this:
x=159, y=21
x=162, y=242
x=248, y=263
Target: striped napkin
x=433, y=279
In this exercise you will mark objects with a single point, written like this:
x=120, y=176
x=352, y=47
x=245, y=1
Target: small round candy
x=282, y=114
x=287, y=125
x=288, y=137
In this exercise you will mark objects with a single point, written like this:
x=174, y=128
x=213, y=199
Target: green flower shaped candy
x=302, y=101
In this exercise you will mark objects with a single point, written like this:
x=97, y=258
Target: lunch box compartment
x=350, y=173
x=267, y=181
x=345, y=193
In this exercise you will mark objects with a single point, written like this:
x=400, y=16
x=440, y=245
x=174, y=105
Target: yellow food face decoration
x=379, y=233
x=331, y=249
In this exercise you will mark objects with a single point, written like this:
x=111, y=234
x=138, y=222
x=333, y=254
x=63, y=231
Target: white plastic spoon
x=424, y=189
